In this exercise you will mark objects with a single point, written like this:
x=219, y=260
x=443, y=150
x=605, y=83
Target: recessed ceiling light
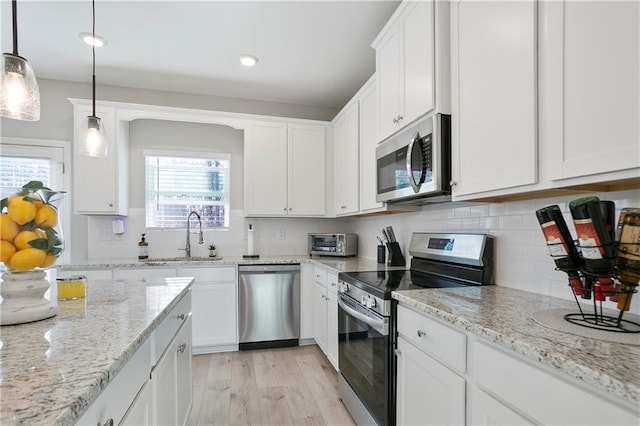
x=248, y=60
x=99, y=41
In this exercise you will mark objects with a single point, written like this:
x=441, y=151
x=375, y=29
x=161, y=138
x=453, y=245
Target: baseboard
x=212, y=349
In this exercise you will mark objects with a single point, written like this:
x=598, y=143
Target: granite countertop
x=337, y=264
x=504, y=316
x=52, y=370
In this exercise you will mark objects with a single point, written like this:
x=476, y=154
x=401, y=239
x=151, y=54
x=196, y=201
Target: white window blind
x=177, y=185
x=17, y=171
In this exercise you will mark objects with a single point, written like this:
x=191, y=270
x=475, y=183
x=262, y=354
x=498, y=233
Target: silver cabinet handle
x=400, y=118
x=181, y=317
x=343, y=207
x=333, y=284
x=395, y=120
x=421, y=333
x=290, y=208
x=111, y=205
x=182, y=347
x=453, y=183
x=107, y=423
x=397, y=352
x=285, y=209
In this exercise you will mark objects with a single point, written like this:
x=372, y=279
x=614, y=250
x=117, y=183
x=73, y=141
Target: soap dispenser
x=143, y=249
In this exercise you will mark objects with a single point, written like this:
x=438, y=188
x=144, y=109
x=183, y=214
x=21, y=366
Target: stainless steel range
x=366, y=315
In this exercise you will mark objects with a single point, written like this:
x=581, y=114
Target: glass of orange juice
x=71, y=288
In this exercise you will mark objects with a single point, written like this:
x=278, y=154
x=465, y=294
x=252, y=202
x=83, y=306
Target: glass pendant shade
x=93, y=142
x=19, y=92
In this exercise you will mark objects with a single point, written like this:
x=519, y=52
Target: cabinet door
x=590, y=86
x=428, y=393
x=184, y=391
x=332, y=319
x=266, y=169
x=164, y=381
x=494, y=94
x=487, y=411
x=320, y=317
x=306, y=160
x=97, y=195
x=389, y=76
x=418, y=61
x=139, y=414
x=215, y=314
x=346, y=148
x=368, y=141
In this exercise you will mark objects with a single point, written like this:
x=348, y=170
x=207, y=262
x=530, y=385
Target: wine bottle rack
x=594, y=291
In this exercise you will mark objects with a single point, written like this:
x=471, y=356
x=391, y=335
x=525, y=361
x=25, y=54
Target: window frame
x=199, y=155
x=44, y=146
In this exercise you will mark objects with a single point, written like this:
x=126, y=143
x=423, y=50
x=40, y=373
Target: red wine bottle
x=628, y=259
x=595, y=243
x=561, y=246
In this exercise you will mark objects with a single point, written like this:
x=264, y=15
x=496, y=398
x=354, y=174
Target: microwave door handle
x=412, y=181
x=377, y=324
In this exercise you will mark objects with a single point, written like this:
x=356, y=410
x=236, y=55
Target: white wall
x=522, y=260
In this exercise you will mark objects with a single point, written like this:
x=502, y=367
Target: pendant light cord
x=14, y=12
x=93, y=49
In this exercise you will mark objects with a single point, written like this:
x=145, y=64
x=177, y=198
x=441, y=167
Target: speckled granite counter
x=53, y=369
x=504, y=316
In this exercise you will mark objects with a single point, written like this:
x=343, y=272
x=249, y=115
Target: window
x=179, y=184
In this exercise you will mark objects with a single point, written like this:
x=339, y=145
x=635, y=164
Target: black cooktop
x=382, y=283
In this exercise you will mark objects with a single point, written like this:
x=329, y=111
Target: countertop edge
x=72, y=413
x=556, y=362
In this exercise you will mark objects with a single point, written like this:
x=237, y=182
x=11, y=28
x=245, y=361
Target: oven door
x=365, y=356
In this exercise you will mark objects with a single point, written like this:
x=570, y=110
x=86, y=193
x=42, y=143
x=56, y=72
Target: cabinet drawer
x=442, y=342
x=320, y=276
x=144, y=274
x=209, y=275
x=114, y=401
x=540, y=395
x=169, y=326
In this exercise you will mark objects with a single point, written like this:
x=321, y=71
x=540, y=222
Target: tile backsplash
x=522, y=259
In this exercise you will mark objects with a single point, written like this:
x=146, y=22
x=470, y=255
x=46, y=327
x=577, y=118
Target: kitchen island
x=503, y=337
x=53, y=370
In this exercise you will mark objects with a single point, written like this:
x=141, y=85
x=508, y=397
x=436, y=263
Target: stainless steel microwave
x=333, y=244
x=414, y=166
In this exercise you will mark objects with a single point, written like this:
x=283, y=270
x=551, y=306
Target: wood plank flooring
x=286, y=386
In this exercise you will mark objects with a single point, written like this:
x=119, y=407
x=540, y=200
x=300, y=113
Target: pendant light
x=19, y=92
x=93, y=142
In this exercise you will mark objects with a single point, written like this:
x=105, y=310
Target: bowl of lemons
x=30, y=232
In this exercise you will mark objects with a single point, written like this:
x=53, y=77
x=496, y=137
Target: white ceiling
x=311, y=52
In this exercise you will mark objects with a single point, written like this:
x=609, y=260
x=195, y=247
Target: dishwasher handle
x=266, y=269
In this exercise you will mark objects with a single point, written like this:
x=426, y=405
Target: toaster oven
x=333, y=244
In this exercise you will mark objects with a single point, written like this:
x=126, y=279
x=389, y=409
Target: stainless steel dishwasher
x=268, y=306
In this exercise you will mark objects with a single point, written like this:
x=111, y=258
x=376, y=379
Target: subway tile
x=480, y=210
x=461, y=211
x=499, y=209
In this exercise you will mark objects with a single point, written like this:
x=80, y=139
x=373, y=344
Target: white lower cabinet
x=214, y=308
x=140, y=413
x=320, y=316
x=171, y=380
x=332, y=319
x=428, y=392
x=488, y=411
x=325, y=313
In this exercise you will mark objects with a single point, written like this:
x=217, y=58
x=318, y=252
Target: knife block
x=395, y=255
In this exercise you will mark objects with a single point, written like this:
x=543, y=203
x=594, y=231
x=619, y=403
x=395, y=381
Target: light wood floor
x=287, y=386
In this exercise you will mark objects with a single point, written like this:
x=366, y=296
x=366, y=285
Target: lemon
x=26, y=259
x=8, y=228
x=6, y=250
x=49, y=260
x=46, y=216
x=21, y=211
x=22, y=239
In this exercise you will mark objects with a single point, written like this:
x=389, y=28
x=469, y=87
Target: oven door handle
x=377, y=324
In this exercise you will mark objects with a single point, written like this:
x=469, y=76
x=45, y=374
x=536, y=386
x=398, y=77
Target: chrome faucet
x=187, y=247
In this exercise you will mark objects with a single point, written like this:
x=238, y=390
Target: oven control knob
x=369, y=302
x=363, y=300
x=343, y=287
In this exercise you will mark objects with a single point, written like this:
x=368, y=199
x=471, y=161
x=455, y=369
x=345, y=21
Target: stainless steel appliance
x=367, y=315
x=268, y=306
x=333, y=244
x=414, y=166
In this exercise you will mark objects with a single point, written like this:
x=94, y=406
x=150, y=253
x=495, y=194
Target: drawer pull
x=182, y=347
x=397, y=352
x=107, y=423
x=181, y=317
x=421, y=333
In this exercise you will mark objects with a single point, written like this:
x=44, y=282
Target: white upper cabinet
x=494, y=126
x=100, y=184
x=590, y=88
x=412, y=64
x=346, y=152
x=368, y=142
x=285, y=169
